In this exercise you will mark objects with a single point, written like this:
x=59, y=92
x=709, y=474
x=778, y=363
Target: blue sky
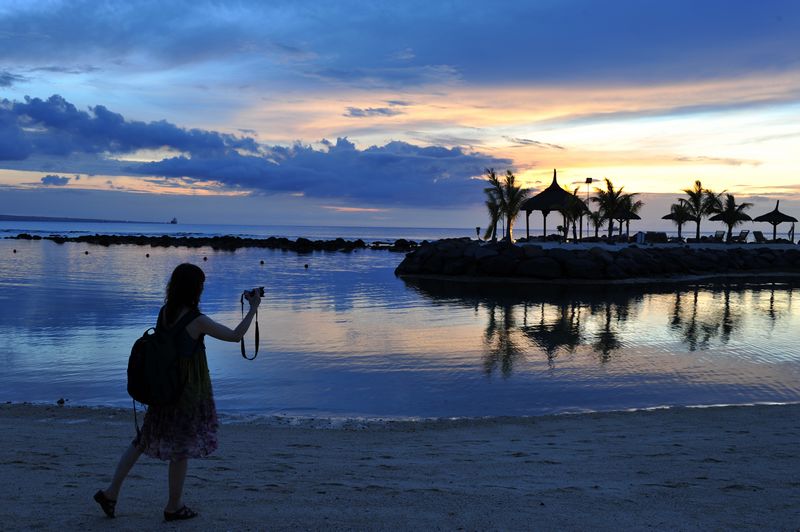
x=386, y=113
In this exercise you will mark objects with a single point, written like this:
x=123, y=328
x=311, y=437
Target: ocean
x=343, y=337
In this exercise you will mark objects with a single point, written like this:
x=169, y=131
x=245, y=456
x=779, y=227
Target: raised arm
x=205, y=325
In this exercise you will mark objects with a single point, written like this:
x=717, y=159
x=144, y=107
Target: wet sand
x=679, y=469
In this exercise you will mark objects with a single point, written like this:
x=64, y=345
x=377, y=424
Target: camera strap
x=244, y=353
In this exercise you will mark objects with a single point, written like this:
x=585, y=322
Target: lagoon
x=346, y=338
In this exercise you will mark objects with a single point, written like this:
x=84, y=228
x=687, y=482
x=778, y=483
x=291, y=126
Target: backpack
x=154, y=374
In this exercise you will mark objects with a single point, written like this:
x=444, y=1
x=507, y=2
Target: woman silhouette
x=188, y=428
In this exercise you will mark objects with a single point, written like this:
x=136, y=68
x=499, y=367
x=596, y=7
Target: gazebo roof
x=553, y=198
x=775, y=216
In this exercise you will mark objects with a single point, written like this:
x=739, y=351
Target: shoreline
x=225, y=243
x=712, y=278
x=685, y=468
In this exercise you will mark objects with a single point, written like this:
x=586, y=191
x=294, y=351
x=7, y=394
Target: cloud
x=56, y=127
x=528, y=142
x=364, y=44
x=7, y=79
x=55, y=135
x=396, y=174
x=356, y=112
x=63, y=69
x=717, y=160
x=55, y=180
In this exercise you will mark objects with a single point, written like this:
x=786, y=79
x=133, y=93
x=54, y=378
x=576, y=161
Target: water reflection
x=601, y=322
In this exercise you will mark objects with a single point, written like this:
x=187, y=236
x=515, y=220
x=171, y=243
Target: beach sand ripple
x=678, y=469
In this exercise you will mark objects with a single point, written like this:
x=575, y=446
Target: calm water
x=368, y=234
x=344, y=337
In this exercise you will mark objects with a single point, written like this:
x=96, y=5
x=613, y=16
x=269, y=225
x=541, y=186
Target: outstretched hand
x=253, y=298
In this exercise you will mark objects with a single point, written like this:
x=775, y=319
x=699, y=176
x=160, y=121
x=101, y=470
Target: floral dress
x=188, y=428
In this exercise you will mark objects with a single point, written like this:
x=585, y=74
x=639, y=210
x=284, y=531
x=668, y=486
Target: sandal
x=105, y=503
x=183, y=513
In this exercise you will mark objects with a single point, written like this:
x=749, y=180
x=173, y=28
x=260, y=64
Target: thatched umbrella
x=553, y=198
x=671, y=216
x=626, y=216
x=775, y=217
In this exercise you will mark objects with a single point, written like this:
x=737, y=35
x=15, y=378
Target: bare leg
x=177, y=474
x=126, y=461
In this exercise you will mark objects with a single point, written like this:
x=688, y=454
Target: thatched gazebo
x=775, y=217
x=553, y=198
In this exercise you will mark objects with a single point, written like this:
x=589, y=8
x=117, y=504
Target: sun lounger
x=719, y=236
x=742, y=237
x=759, y=236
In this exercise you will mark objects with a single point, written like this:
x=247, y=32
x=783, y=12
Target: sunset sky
x=387, y=113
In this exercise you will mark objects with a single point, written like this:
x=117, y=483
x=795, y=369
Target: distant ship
x=173, y=221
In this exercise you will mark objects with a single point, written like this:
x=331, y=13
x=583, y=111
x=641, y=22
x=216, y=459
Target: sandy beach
x=679, y=469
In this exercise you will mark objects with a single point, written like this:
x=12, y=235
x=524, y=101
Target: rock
x=602, y=255
x=497, y=265
x=539, y=267
x=485, y=252
x=533, y=251
x=512, y=251
x=583, y=268
x=457, y=266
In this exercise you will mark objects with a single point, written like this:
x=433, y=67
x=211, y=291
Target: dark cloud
x=56, y=127
x=364, y=42
x=55, y=180
x=356, y=112
x=63, y=69
x=528, y=142
x=398, y=103
x=717, y=160
x=8, y=79
x=53, y=135
x=395, y=174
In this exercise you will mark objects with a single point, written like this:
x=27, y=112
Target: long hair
x=183, y=290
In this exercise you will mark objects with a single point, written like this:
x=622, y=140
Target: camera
x=251, y=293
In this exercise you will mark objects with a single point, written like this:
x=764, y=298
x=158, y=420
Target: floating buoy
x=262, y=262
x=305, y=266
x=85, y=252
x=147, y=255
x=205, y=259
x=15, y=251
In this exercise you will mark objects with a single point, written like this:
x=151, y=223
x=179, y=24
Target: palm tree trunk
x=679, y=230
x=697, y=235
x=610, y=227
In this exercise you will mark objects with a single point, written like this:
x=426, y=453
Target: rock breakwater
x=228, y=243
x=466, y=258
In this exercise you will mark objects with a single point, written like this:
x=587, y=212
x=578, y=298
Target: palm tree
x=596, y=219
x=679, y=213
x=732, y=214
x=494, y=214
x=608, y=201
x=508, y=196
x=573, y=212
x=701, y=202
x=627, y=208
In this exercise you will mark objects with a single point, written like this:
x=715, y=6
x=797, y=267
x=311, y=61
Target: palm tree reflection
x=564, y=333
x=557, y=323
x=502, y=349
